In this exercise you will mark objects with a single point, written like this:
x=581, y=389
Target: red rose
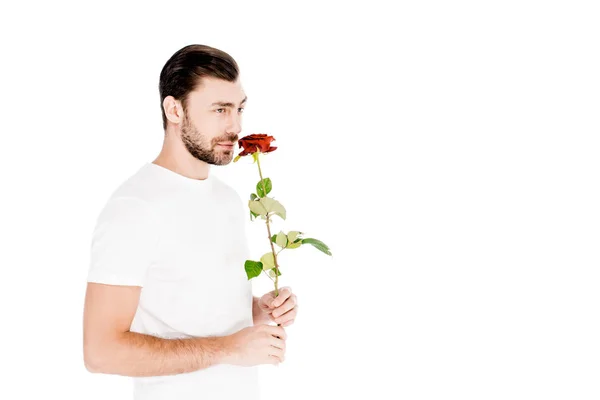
x=257, y=141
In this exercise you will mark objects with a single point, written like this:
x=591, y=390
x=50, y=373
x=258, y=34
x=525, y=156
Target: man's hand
x=254, y=345
x=281, y=309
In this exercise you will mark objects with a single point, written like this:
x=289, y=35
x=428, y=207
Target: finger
x=287, y=316
x=268, y=297
x=287, y=306
x=265, y=302
x=274, y=360
x=278, y=343
x=284, y=293
x=276, y=331
x=278, y=355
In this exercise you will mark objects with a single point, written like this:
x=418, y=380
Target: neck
x=175, y=157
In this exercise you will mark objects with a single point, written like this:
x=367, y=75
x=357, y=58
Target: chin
x=222, y=160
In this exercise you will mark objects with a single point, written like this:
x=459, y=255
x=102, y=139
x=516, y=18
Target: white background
x=447, y=152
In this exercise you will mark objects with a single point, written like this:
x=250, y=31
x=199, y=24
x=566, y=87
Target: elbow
x=99, y=356
x=93, y=360
x=91, y=368
x=90, y=361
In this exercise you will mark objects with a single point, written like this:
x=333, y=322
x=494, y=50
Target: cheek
x=207, y=130
x=213, y=127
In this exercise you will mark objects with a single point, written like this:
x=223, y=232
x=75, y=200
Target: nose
x=235, y=125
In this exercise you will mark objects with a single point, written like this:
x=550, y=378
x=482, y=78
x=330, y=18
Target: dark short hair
x=183, y=72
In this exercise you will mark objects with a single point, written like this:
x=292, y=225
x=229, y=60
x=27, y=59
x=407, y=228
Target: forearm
x=137, y=354
x=258, y=315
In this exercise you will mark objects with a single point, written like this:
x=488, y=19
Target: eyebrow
x=226, y=104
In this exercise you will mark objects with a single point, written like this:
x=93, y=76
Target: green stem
x=268, y=227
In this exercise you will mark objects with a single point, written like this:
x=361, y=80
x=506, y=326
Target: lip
x=226, y=144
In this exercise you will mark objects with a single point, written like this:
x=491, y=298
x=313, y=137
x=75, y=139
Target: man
x=168, y=301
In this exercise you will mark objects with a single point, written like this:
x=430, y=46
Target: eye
x=219, y=109
x=241, y=109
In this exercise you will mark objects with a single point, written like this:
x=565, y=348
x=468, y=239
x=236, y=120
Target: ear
x=173, y=109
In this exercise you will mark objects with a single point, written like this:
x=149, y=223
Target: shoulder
x=131, y=201
x=140, y=185
x=131, y=211
x=138, y=190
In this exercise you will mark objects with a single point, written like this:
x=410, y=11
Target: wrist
x=225, y=352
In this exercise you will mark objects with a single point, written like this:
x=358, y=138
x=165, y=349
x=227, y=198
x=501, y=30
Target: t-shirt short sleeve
x=124, y=242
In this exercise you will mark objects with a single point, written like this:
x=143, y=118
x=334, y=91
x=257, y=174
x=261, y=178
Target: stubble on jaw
x=192, y=140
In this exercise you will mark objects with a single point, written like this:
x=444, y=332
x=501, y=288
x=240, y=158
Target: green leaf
x=267, y=205
x=274, y=272
x=318, y=244
x=236, y=158
x=268, y=261
x=274, y=238
x=294, y=245
x=253, y=196
x=253, y=214
x=273, y=206
x=281, y=239
x=293, y=235
x=268, y=186
x=253, y=268
x=257, y=207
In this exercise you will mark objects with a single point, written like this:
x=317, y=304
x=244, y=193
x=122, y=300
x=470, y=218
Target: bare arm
x=109, y=347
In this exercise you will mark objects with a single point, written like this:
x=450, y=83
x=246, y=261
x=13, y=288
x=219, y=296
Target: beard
x=202, y=149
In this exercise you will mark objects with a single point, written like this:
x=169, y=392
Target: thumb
x=266, y=300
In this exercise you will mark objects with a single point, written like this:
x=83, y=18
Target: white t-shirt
x=183, y=241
